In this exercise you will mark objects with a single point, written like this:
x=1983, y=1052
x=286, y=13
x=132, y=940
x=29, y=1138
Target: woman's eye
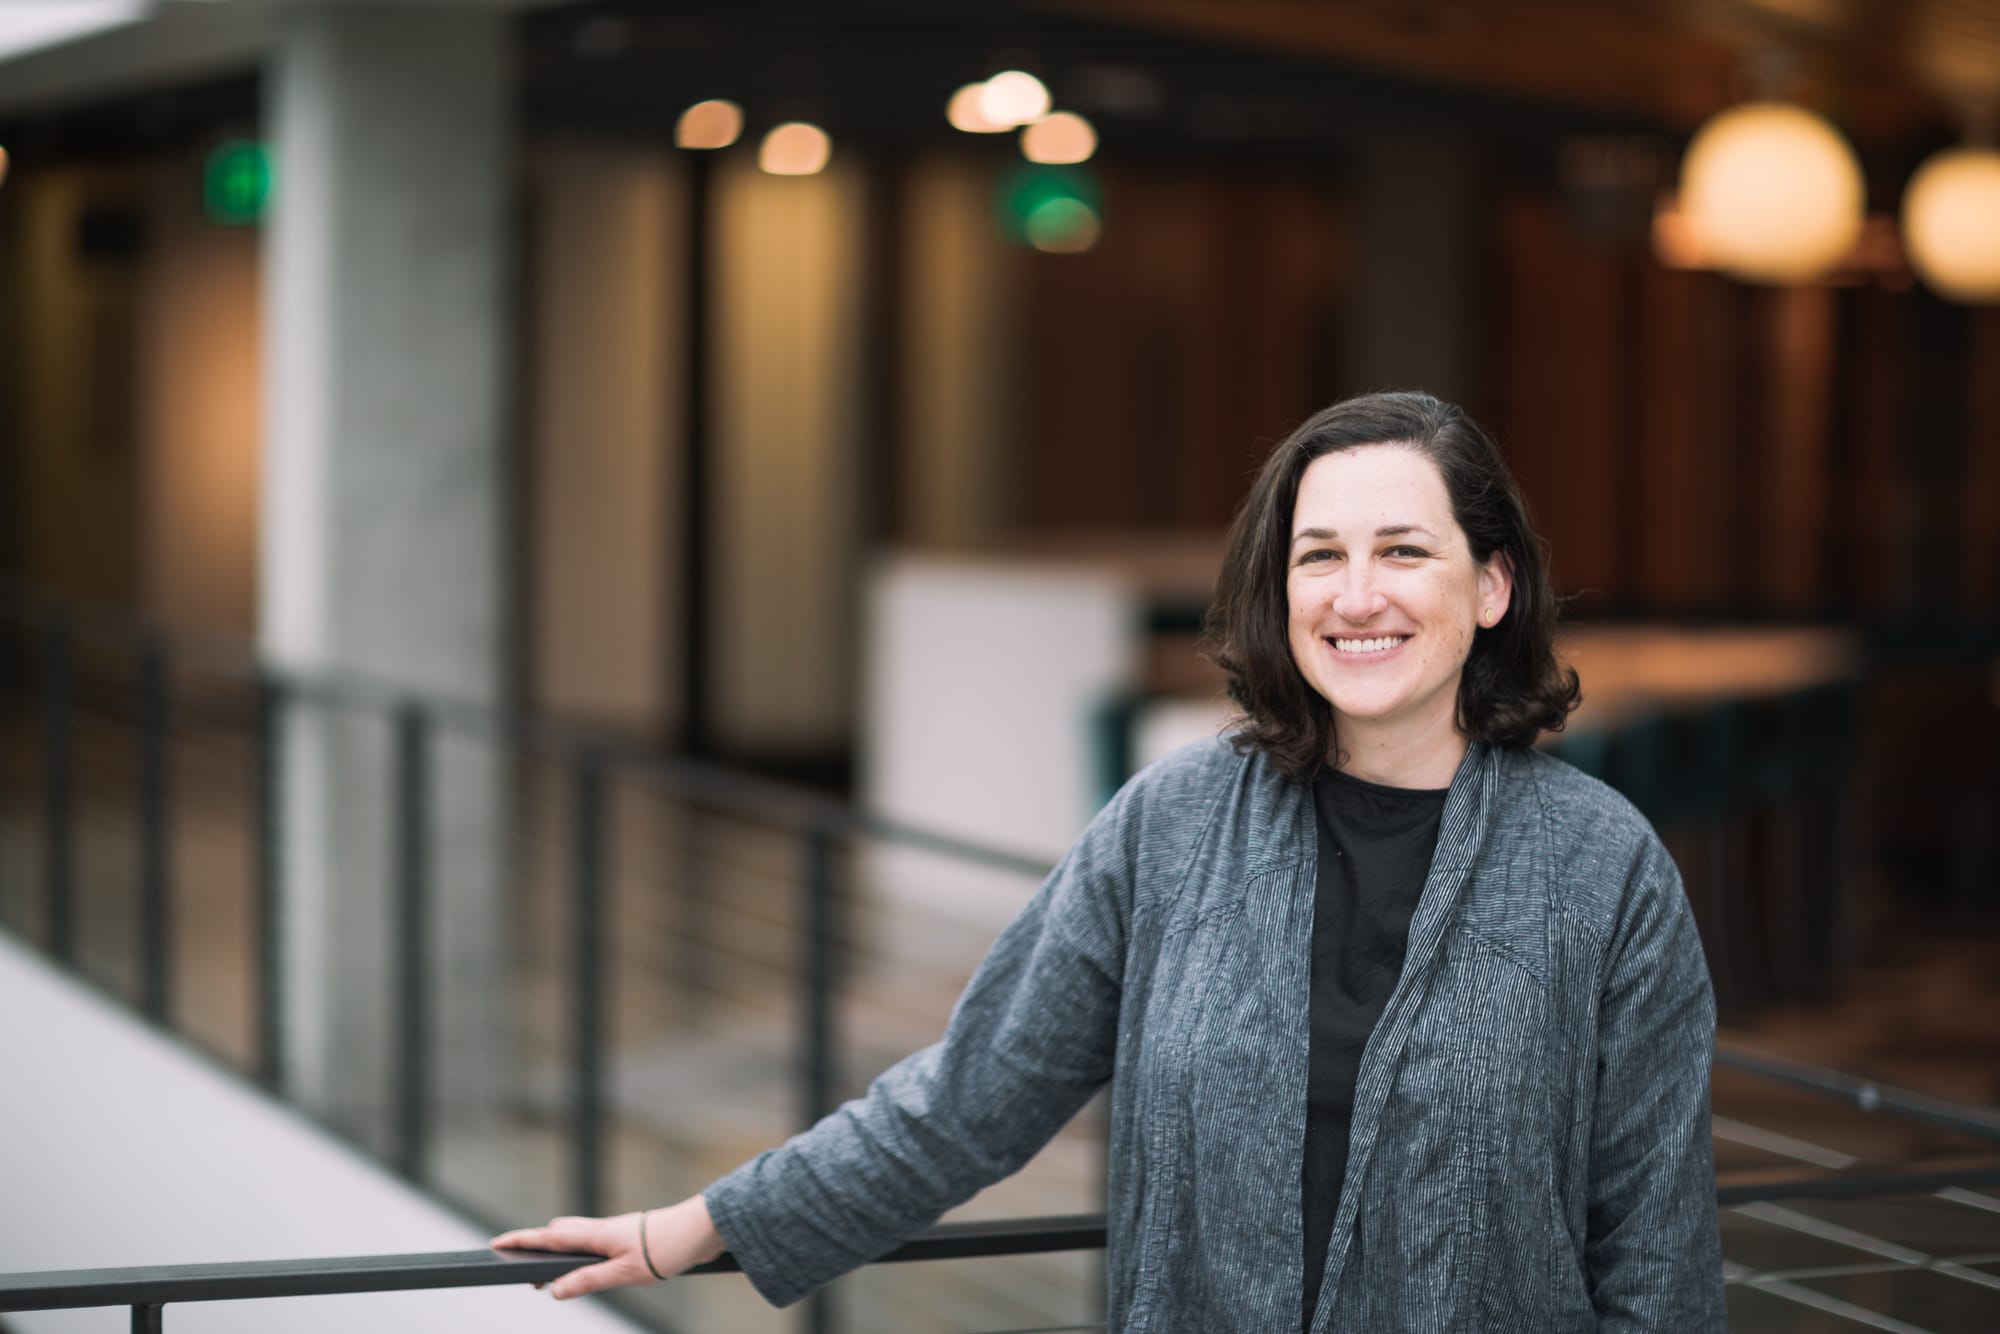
x=1408, y=553
x=1312, y=556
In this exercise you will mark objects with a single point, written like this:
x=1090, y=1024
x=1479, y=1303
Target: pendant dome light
x=1951, y=223
x=1772, y=192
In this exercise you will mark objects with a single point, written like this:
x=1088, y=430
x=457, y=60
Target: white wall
x=984, y=681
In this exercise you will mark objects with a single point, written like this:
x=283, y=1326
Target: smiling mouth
x=1361, y=648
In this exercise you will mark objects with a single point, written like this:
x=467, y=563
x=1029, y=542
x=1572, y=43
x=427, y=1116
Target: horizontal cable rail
x=158, y=1285
x=709, y=785
x=1866, y=1094
x=1854, y=1185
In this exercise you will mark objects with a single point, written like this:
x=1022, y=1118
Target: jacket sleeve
x=1029, y=1041
x=1654, y=1253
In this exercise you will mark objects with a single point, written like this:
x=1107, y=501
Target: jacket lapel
x=1462, y=832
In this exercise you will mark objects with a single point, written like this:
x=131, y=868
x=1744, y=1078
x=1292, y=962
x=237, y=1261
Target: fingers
x=593, y=1278
x=533, y=1239
x=561, y=1234
x=521, y=1239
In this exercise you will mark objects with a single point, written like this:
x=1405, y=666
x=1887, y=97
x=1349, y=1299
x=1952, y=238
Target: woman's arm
x=1030, y=1040
x=1654, y=1253
x=637, y=1248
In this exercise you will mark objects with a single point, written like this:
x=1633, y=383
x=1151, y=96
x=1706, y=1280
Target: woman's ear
x=1496, y=588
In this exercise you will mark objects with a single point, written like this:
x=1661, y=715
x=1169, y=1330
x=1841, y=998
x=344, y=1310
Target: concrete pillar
x=386, y=316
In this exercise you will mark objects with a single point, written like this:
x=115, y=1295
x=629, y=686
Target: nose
x=1358, y=599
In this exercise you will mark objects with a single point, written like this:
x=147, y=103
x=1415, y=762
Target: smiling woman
x=1387, y=516
x=1406, y=1024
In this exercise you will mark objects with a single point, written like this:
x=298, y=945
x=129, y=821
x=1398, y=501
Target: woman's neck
x=1400, y=757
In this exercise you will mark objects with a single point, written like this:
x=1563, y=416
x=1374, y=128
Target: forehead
x=1371, y=483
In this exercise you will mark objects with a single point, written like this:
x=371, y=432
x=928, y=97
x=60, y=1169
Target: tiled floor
x=1921, y=1011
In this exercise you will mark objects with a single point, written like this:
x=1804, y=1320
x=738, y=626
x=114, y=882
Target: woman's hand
x=677, y=1238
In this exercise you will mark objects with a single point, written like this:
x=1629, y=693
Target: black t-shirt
x=1375, y=846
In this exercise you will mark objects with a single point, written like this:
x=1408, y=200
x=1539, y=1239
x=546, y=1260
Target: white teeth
x=1368, y=645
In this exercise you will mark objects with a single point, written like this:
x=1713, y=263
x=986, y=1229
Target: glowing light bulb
x=795, y=149
x=1772, y=192
x=716, y=123
x=966, y=111
x=1013, y=97
x=1060, y=138
x=1951, y=223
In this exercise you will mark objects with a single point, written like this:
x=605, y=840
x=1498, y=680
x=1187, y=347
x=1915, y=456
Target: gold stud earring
x=1486, y=617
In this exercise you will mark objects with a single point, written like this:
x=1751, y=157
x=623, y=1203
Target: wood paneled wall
x=1697, y=446
x=1691, y=445
x=1155, y=367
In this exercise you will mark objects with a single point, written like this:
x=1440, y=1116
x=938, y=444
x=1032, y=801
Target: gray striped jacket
x=1530, y=1144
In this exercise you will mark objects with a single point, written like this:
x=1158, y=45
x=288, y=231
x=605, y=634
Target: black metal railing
x=98, y=680
x=147, y=1290
x=150, y=1288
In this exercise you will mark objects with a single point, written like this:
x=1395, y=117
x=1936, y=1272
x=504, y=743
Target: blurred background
x=565, y=566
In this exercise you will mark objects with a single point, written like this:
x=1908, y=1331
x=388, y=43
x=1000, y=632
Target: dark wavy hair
x=1512, y=688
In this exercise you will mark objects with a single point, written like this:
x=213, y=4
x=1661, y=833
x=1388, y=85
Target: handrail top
x=59, y=1289
x=304, y=1277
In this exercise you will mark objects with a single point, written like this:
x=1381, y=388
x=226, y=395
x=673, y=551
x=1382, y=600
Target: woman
x=1407, y=1025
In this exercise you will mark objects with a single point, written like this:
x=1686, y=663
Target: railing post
x=589, y=982
x=148, y=1317
x=411, y=947
x=267, y=824
x=58, y=725
x=155, y=908
x=817, y=969
x=817, y=1063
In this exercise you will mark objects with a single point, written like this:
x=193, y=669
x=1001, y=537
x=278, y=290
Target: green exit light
x=235, y=183
x=1054, y=209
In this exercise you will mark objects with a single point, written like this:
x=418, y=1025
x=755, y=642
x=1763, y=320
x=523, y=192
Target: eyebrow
x=1392, y=530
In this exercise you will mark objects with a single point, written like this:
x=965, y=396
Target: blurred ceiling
x=1241, y=77
x=1884, y=68
x=883, y=71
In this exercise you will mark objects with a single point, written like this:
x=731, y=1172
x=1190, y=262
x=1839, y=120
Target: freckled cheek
x=1300, y=607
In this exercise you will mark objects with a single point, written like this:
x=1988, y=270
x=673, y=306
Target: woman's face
x=1383, y=592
